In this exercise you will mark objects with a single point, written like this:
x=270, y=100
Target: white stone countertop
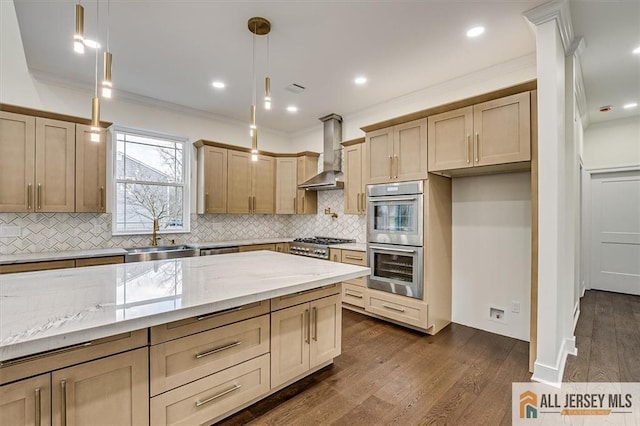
x=47, y=310
x=351, y=246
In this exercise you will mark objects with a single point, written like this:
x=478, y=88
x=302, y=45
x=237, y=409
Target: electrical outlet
x=515, y=307
x=497, y=315
x=9, y=231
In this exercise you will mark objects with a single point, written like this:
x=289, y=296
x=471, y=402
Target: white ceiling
x=172, y=50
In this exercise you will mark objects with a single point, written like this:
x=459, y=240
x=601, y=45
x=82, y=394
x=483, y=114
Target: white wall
x=492, y=251
x=612, y=144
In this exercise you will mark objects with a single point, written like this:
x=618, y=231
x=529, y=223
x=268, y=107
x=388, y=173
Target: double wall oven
x=395, y=235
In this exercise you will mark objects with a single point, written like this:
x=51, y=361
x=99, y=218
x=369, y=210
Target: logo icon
x=528, y=405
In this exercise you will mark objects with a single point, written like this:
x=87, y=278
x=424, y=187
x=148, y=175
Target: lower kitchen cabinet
x=26, y=402
x=107, y=391
x=256, y=247
x=303, y=337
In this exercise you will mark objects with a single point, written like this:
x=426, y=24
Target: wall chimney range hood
x=331, y=176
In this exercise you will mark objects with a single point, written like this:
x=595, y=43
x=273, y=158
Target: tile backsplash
x=46, y=232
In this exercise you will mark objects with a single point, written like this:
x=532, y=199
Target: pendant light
x=95, y=102
x=267, y=82
x=78, y=36
x=107, y=85
x=257, y=26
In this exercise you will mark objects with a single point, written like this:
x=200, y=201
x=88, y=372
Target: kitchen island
x=158, y=317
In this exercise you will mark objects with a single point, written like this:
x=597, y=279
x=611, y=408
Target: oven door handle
x=392, y=249
x=386, y=199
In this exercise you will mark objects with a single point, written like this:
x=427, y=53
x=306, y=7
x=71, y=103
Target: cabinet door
x=335, y=254
x=286, y=185
x=27, y=402
x=502, y=130
x=410, y=150
x=353, y=186
x=289, y=343
x=17, y=162
x=239, y=182
x=307, y=201
x=326, y=329
x=108, y=391
x=379, y=155
x=55, y=165
x=450, y=140
x=215, y=179
x=264, y=185
x=91, y=171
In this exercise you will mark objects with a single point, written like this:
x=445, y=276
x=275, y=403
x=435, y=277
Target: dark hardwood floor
x=462, y=376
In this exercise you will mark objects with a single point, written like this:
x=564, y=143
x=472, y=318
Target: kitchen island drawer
x=354, y=257
x=304, y=296
x=399, y=308
x=181, y=361
x=353, y=294
x=205, y=401
x=177, y=329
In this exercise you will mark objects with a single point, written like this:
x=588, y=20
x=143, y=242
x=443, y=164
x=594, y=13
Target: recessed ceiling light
x=218, y=84
x=475, y=32
x=360, y=80
x=637, y=50
x=292, y=108
x=91, y=43
x=630, y=105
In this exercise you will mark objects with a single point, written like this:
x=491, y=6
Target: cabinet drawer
x=398, y=308
x=304, y=296
x=95, y=261
x=256, y=247
x=177, y=329
x=354, y=257
x=36, y=266
x=206, y=400
x=353, y=294
x=360, y=281
x=184, y=360
x=59, y=358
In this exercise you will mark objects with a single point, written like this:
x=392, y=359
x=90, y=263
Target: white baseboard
x=552, y=375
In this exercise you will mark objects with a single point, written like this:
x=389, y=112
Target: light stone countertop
x=47, y=310
x=351, y=246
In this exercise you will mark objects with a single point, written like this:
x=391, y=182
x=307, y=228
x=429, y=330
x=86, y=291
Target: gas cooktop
x=317, y=247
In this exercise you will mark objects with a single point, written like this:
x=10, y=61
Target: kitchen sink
x=143, y=254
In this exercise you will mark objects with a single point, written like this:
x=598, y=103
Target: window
x=150, y=180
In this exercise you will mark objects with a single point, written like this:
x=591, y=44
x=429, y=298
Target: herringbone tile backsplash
x=46, y=232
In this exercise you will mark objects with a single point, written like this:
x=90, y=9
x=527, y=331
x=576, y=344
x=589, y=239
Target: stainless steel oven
x=396, y=269
x=395, y=213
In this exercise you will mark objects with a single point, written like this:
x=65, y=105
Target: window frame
x=186, y=175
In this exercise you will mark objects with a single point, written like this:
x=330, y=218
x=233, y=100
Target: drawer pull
x=215, y=314
x=206, y=401
x=220, y=349
x=314, y=314
x=38, y=407
x=346, y=256
x=307, y=326
x=63, y=402
x=348, y=293
x=393, y=308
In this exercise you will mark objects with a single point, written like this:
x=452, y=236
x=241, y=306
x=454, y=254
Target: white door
x=615, y=259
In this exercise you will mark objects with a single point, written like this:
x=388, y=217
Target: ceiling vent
x=295, y=88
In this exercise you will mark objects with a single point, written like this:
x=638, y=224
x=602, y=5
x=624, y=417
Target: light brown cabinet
x=256, y=247
x=355, y=200
x=59, y=264
x=212, y=179
x=17, y=162
x=397, y=153
x=26, y=402
x=303, y=337
x=306, y=201
x=251, y=184
x=91, y=171
x=489, y=133
x=286, y=185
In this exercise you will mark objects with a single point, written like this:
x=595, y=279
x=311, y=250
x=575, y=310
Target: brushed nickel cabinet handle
x=29, y=190
x=216, y=314
x=306, y=326
x=358, y=202
x=476, y=148
x=468, y=148
x=39, y=197
x=348, y=293
x=393, y=308
x=220, y=349
x=63, y=402
x=346, y=256
x=390, y=167
x=397, y=159
x=364, y=203
x=314, y=314
x=249, y=203
x=213, y=398
x=38, y=408
x=206, y=202
x=102, y=200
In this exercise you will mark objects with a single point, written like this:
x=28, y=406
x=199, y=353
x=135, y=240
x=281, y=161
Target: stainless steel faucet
x=154, y=235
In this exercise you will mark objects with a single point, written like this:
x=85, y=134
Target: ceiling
x=171, y=51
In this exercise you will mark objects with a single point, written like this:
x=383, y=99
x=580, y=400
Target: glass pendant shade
x=267, y=93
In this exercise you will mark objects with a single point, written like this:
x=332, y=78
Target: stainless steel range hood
x=331, y=176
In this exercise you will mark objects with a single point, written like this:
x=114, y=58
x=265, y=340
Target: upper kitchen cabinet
x=307, y=167
x=37, y=163
x=286, y=185
x=212, y=179
x=354, y=177
x=251, y=184
x=397, y=153
x=489, y=133
x=91, y=171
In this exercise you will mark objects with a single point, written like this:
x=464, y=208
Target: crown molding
x=559, y=11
